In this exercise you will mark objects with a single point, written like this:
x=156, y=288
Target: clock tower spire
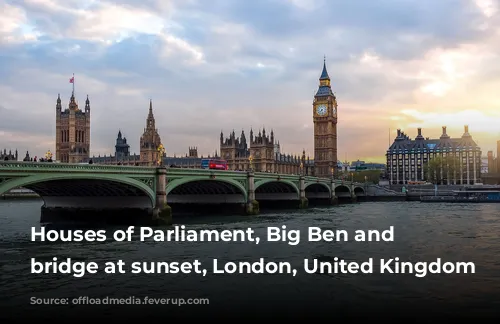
x=325, y=127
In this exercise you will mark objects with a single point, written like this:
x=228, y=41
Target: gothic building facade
x=193, y=152
x=325, y=127
x=150, y=141
x=72, y=131
x=263, y=151
x=122, y=154
x=262, y=154
x=122, y=149
x=407, y=158
x=8, y=156
x=149, y=154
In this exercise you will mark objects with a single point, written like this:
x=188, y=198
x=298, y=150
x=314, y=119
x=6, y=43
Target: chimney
x=444, y=130
x=399, y=132
x=419, y=135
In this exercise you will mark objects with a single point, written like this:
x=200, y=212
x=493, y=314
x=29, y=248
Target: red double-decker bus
x=214, y=164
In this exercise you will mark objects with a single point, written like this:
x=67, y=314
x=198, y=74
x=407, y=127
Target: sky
x=212, y=65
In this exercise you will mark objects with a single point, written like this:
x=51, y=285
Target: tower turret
x=150, y=140
x=87, y=105
x=324, y=79
x=58, y=103
x=325, y=126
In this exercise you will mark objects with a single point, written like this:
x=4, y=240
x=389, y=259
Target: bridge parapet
x=316, y=179
x=72, y=167
x=267, y=175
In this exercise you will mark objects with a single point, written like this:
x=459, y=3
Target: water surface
x=423, y=232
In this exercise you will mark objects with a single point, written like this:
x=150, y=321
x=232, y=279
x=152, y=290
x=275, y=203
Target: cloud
x=221, y=64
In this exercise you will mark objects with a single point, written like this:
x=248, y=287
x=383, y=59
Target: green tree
x=442, y=169
x=372, y=176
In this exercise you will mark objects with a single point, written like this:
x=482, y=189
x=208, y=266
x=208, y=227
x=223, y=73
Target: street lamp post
x=301, y=168
x=48, y=156
x=250, y=162
x=161, y=154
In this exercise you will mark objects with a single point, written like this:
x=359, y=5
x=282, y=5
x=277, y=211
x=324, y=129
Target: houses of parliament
x=260, y=153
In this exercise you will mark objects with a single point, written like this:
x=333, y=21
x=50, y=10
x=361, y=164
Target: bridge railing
x=313, y=179
x=17, y=166
x=71, y=167
x=268, y=175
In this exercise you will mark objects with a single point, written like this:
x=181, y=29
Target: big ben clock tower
x=325, y=127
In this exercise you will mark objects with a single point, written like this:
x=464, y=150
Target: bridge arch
x=318, y=185
x=359, y=191
x=92, y=190
x=342, y=191
x=271, y=189
x=204, y=190
x=318, y=190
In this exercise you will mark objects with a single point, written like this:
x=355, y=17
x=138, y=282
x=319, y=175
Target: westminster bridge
x=69, y=187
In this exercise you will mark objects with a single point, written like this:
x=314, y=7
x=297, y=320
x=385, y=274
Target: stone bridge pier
x=252, y=207
x=162, y=213
x=303, y=201
x=335, y=199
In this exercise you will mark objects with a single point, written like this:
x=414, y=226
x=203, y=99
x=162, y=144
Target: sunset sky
x=212, y=65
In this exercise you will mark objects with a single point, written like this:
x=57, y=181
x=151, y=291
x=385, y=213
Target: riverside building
x=407, y=158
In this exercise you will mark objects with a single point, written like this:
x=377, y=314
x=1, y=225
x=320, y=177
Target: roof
x=403, y=143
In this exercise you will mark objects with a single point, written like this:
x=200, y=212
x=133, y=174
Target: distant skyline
x=217, y=65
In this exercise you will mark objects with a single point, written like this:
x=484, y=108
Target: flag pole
x=73, y=84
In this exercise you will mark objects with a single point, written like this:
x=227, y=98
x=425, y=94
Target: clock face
x=321, y=110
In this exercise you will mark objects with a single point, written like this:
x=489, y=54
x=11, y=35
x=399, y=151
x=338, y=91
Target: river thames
x=422, y=232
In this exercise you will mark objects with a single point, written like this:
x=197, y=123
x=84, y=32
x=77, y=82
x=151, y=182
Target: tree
x=372, y=176
x=442, y=169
